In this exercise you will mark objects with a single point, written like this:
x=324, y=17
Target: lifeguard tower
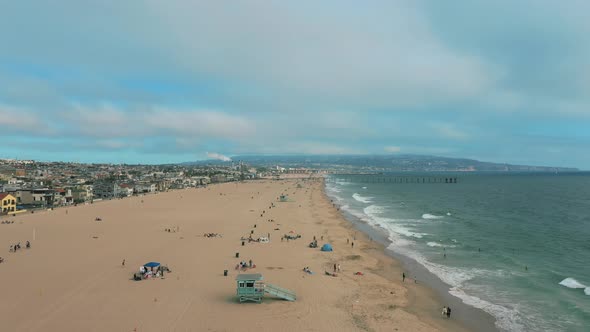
x=252, y=288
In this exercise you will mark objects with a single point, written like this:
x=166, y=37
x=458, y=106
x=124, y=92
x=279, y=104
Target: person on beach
x=123, y=263
x=448, y=312
x=352, y=244
x=334, y=267
x=403, y=277
x=338, y=267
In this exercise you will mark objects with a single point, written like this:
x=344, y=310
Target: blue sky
x=169, y=81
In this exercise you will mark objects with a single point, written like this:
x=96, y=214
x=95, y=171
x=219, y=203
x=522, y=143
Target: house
x=123, y=190
x=43, y=196
x=7, y=203
x=63, y=197
x=144, y=188
x=104, y=189
x=80, y=195
x=24, y=196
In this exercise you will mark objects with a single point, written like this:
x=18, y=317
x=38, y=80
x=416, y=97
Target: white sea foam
x=364, y=187
x=507, y=319
x=361, y=199
x=587, y=290
x=332, y=188
x=436, y=244
x=373, y=217
x=448, y=213
x=572, y=283
x=431, y=216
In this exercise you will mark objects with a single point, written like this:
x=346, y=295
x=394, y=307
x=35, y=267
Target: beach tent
x=327, y=247
x=151, y=264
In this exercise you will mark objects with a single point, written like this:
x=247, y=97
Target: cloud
x=217, y=156
x=184, y=77
x=108, y=121
x=392, y=149
x=449, y=131
x=21, y=120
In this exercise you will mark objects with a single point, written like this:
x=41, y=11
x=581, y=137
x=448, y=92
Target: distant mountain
x=383, y=163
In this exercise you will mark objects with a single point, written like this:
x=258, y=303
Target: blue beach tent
x=152, y=264
x=327, y=247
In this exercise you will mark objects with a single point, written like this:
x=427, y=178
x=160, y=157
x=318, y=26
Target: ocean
x=514, y=245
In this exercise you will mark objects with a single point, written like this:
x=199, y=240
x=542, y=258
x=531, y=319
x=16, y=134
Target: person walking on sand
x=334, y=267
x=352, y=244
x=403, y=277
x=123, y=263
x=448, y=312
x=338, y=267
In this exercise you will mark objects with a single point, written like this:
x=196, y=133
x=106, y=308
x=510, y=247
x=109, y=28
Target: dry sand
x=72, y=279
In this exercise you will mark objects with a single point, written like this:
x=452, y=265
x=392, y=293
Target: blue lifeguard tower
x=252, y=288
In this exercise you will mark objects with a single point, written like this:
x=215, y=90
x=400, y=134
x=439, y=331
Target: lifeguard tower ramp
x=279, y=292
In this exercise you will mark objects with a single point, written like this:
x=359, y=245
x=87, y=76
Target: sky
x=170, y=81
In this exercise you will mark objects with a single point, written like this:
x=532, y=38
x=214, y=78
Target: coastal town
x=28, y=185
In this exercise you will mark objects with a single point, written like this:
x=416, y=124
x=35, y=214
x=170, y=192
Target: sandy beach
x=72, y=278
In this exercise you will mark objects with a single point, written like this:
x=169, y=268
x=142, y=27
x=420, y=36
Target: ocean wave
x=343, y=183
x=436, y=244
x=373, y=210
x=587, y=290
x=361, y=199
x=364, y=187
x=373, y=217
x=431, y=216
x=332, y=188
x=506, y=318
x=572, y=283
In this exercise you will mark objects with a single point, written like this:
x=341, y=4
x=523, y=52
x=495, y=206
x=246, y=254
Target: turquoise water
x=516, y=246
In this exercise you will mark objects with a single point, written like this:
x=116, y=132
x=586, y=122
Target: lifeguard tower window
x=249, y=284
x=241, y=284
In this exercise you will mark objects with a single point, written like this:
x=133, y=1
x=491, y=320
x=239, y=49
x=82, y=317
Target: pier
x=380, y=178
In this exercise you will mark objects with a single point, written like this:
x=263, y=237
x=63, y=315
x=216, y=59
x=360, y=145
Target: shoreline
x=469, y=317
x=83, y=284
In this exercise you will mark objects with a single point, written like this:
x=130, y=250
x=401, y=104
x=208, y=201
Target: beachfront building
x=7, y=203
x=43, y=196
x=145, y=188
x=104, y=189
x=123, y=190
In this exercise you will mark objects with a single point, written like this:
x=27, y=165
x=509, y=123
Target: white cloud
x=196, y=123
x=108, y=121
x=217, y=156
x=449, y=131
x=392, y=149
x=21, y=120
